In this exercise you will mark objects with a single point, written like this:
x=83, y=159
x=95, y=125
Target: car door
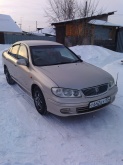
x=23, y=72
x=11, y=59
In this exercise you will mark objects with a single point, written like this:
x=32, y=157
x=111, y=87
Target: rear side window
x=14, y=51
x=22, y=54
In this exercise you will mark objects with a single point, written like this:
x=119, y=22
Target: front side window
x=52, y=55
x=10, y=50
x=14, y=50
x=22, y=54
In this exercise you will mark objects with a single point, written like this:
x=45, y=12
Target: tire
x=9, y=79
x=39, y=101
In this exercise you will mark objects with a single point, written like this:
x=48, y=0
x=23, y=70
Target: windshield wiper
x=60, y=63
x=67, y=62
x=77, y=61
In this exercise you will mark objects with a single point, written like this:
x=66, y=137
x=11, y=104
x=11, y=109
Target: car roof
x=37, y=42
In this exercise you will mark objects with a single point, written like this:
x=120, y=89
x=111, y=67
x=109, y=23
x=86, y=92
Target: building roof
x=102, y=23
x=7, y=24
x=83, y=18
x=38, y=33
x=49, y=31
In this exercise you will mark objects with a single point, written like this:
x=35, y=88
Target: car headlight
x=64, y=92
x=111, y=83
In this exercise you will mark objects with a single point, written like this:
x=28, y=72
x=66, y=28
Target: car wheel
x=39, y=101
x=9, y=78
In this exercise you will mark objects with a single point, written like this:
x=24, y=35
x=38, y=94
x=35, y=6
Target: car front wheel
x=8, y=77
x=39, y=101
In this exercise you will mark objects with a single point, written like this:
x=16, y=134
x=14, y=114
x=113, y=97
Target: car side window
x=22, y=54
x=14, y=50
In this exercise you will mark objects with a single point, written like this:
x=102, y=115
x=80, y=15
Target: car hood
x=76, y=75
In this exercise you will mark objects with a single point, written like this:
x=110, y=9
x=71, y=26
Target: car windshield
x=52, y=55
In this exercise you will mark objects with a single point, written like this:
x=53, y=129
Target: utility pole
x=86, y=6
x=36, y=25
x=20, y=25
x=29, y=29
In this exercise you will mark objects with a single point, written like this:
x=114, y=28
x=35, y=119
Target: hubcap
x=38, y=100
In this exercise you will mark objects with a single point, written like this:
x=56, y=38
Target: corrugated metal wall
x=120, y=41
x=105, y=36
x=102, y=33
x=12, y=38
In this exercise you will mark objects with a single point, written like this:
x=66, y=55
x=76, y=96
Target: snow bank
x=96, y=55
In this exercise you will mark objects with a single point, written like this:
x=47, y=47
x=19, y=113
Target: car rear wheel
x=8, y=77
x=39, y=101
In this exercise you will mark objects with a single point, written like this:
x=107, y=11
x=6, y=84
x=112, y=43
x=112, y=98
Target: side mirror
x=22, y=62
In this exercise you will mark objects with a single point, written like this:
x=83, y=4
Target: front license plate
x=99, y=103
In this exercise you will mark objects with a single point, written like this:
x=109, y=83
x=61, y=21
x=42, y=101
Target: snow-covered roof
x=103, y=23
x=82, y=18
x=7, y=24
x=50, y=31
x=38, y=33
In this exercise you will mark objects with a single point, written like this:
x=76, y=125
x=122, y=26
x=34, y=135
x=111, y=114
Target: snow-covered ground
x=27, y=138
x=97, y=55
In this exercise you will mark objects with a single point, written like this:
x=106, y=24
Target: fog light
x=65, y=110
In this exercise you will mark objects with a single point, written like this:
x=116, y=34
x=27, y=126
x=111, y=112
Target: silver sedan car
x=57, y=79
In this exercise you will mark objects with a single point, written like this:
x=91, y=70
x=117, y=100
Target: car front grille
x=97, y=90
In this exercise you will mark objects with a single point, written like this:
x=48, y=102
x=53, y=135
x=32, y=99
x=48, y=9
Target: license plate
x=99, y=103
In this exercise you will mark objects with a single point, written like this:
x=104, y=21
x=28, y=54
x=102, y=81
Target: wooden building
x=89, y=30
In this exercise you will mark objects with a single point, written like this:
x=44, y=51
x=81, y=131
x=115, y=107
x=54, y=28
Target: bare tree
x=59, y=10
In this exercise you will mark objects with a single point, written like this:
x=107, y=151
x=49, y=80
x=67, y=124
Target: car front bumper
x=64, y=107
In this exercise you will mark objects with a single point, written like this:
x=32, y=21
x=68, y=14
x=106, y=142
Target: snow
x=7, y=24
x=42, y=32
x=49, y=30
x=96, y=55
x=27, y=138
x=103, y=23
x=38, y=33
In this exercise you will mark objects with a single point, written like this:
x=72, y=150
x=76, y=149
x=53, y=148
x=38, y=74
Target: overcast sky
x=27, y=12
